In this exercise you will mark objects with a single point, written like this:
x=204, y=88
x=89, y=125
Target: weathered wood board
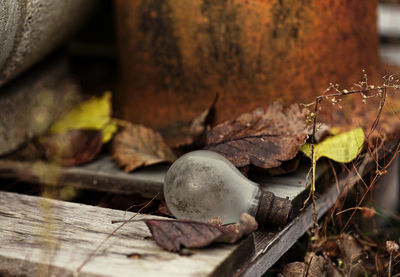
x=107, y=174
x=103, y=175
x=42, y=237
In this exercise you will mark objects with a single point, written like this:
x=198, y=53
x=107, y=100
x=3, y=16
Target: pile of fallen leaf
x=261, y=138
x=267, y=139
x=345, y=255
x=264, y=139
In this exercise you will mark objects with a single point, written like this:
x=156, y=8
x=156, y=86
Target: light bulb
x=202, y=185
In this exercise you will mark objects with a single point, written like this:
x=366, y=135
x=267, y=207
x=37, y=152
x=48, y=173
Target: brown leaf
x=262, y=138
x=351, y=252
x=137, y=146
x=233, y=232
x=32, y=151
x=74, y=147
x=193, y=133
x=173, y=234
x=285, y=167
x=313, y=266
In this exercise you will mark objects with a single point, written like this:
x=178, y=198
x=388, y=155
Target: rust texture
x=176, y=55
x=273, y=210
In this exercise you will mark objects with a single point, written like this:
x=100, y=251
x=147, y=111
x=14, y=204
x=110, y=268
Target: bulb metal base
x=273, y=210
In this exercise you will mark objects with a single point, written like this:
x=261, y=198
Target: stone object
x=30, y=29
x=29, y=104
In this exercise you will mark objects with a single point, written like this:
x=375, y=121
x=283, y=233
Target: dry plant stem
x=314, y=166
x=334, y=174
x=308, y=267
x=77, y=271
x=314, y=162
x=390, y=264
x=378, y=117
x=134, y=205
x=384, y=169
x=364, y=88
x=359, y=176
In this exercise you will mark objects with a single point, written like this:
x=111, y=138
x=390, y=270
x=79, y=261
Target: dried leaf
x=262, y=138
x=342, y=148
x=32, y=151
x=233, y=232
x=72, y=148
x=285, y=167
x=137, y=146
x=173, y=234
x=313, y=266
x=94, y=113
x=193, y=133
x=351, y=252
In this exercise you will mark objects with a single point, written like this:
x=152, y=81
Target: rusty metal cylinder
x=176, y=55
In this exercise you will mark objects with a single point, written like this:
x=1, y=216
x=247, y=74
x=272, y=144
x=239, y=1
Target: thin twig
x=77, y=271
x=359, y=176
x=308, y=267
x=390, y=264
x=364, y=88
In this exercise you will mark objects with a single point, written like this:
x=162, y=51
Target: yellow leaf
x=94, y=114
x=108, y=131
x=342, y=148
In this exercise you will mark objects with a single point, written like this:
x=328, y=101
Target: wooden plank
x=31, y=103
x=52, y=238
x=104, y=170
x=103, y=175
x=110, y=178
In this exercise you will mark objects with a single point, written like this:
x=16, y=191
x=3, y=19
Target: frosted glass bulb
x=202, y=185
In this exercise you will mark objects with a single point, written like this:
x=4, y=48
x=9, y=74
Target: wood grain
x=42, y=237
x=227, y=260
x=100, y=175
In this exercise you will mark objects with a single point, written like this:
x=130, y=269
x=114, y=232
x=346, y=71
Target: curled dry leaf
x=313, y=266
x=261, y=138
x=73, y=147
x=173, y=234
x=137, y=146
x=193, y=133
